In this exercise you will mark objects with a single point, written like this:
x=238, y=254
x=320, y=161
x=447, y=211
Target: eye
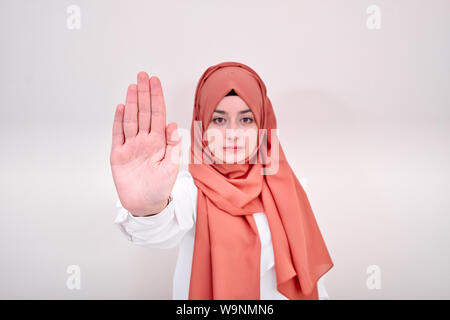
x=218, y=120
x=247, y=120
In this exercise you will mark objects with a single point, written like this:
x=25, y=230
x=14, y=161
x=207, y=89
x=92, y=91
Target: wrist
x=154, y=210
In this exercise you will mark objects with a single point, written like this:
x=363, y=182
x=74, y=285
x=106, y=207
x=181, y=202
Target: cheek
x=214, y=136
x=253, y=138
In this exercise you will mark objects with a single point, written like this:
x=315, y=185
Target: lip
x=233, y=148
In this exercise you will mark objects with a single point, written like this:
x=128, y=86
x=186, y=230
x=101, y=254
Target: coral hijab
x=227, y=248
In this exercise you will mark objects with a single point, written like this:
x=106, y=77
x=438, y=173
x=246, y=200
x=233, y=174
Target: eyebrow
x=224, y=112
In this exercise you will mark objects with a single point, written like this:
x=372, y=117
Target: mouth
x=234, y=148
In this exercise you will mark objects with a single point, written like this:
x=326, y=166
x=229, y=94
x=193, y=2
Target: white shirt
x=175, y=225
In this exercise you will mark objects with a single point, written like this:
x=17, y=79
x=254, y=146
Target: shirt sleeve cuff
x=165, y=215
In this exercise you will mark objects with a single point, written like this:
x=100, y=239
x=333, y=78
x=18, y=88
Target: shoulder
x=185, y=178
x=184, y=174
x=185, y=186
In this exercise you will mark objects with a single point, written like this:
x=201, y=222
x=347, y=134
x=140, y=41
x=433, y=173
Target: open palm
x=145, y=153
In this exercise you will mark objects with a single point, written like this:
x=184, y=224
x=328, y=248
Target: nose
x=232, y=132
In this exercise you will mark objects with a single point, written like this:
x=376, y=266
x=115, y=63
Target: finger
x=172, y=134
x=130, y=124
x=144, y=102
x=173, y=147
x=158, y=113
x=117, y=134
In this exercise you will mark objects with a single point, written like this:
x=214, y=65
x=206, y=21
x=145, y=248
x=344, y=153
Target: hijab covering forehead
x=227, y=248
x=217, y=84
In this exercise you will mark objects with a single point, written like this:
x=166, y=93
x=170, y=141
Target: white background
x=363, y=115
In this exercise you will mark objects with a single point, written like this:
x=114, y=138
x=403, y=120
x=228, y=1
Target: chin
x=239, y=158
x=239, y=161
x=229, y=158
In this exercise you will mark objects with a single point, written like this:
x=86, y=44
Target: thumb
x=173, y=147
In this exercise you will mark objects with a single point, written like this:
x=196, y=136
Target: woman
x=243, y=219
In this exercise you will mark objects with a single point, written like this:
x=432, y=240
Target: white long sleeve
x=176, y=225
x=167, y=228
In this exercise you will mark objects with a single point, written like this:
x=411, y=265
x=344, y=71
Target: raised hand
x=145, y=153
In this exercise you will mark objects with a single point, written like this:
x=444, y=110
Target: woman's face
x=232, y=133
